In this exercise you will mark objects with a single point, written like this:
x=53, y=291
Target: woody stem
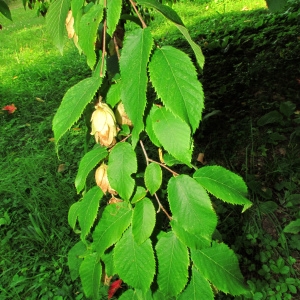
x=137, y=12
x=156, y=197
x=103, y=44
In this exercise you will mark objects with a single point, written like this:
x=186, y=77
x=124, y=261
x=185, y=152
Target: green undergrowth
x=250, y=125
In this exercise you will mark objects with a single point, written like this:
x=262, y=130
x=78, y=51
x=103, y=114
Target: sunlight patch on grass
x=195, y=14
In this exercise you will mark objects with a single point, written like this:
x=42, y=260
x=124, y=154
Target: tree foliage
x=153, y=101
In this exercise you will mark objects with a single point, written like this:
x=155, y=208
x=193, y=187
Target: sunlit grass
x=26, y=44
x=199, y=16
x=34, y=76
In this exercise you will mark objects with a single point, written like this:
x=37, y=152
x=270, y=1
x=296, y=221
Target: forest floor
x=251, y=125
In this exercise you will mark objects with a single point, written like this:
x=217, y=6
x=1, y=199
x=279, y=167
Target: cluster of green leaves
x=277, y=276
x=123, y=237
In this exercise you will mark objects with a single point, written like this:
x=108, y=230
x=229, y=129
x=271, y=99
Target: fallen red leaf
x=10, y=108
x=114, y=287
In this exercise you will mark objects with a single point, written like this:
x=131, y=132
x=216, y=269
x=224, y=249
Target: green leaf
x=223, y=184
x=166, y=125
x=73, y=104
x=158, y=295
x=219, y=265
x=191, y=206
x=198, y=288
x=171, y=15
x=169, y=160
x=74, y=261
x=133, y=65
x=114, y=8
x=149, y=126
x=139, y=194
x=136, y=295
x=88, y=210
x=114, y=220
x=90, y=274
x=121, y=164
x=191, y=240
x=196, y=48
x=269, y=118
x=165, y=10
x=143, y=296
x=4, y=10
x=267, y=207
x=292, y=289
x=134, y=263
x=129, y=295
x=153, y=177
x=276, y=5
x=143, y=220
x=173, y=261
x=287, y=108
x=55, y=20
x=87, y=163
x=184, y=95
x=108, y=260
x=114, y=94
x=292, y=227
x=73, y=214
x=87, y=34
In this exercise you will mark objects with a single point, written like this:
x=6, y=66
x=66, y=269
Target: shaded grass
x=34, y=193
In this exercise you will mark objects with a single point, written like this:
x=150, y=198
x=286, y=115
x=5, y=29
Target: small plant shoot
x=145, y=227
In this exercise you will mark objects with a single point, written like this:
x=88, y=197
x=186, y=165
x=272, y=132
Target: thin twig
x=116, y=47
x=164, y=166
x=154, y=161
x=128, y=136
x=145, y=153
x=103, y=46
x=125, y=138
x=162, y=208
x=137, y=12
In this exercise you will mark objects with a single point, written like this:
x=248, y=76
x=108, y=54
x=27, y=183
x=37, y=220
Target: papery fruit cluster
x=102, y=179
x=104, y=125
x=70, y=28
x=121, y=115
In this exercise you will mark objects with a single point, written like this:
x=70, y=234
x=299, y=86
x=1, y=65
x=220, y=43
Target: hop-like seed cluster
x=70, y=25
x=70, y=28
x=102, y=179
x=104, y=125
x=121, y=115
